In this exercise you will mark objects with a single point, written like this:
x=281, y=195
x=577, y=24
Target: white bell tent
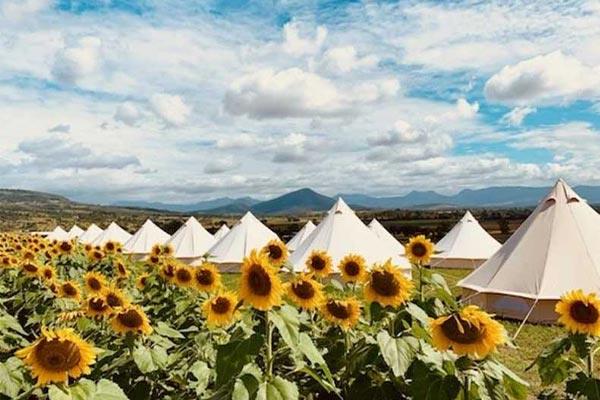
x=557, y=249
x=300, y=236
x=386, y=236
x=191, y=241
x=142, y=241
x=223, y=230
x=114, y=233
x=91, y=233
x=341, y=233
x=75, y=232
x=466, y=245
x=58, y=234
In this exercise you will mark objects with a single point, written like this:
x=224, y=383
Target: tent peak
x=340, y=207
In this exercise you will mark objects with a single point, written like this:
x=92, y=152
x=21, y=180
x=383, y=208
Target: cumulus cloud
x=296, y=45
x=516, y=116
x=220, y=165
x=463, y=110
x=57, y=152
x=296, y=93
x=170, y=108
x=64, y=128
x=544, y=79
x=128, y=113
x=293, y=148
x=17, y=9
x=243, y=140
x=74, y=63
x=339, y=60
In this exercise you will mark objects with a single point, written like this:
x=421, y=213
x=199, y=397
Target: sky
x=181, y=101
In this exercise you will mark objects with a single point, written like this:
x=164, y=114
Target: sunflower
x=419, y=249
x=184, y=276
x=114, y=297
x=470, y=331
x=344, y=313
x=142, y=281
x=121, y=269
x=167, y=250
x=154, y=259
x=207, y=277
x=387, y=286
x=167, y=271
x=276, y=251
x=579, y=313
x=68, y=316
x=94, y=281
x=353, y=268
x=64, y=246
x=95, y=255
x=131, y=319
x=96, y=306
x=53, y=286
x=319, y=263
x=259, y=284
x=305, y=292
x=156, y=250
x=5, y=261
x=47, y=272
x=31, y=269
x=111, y=247
x=28, y=255
x=58, y=355
x=69, y=290
x=220, y=310
x=88, y=247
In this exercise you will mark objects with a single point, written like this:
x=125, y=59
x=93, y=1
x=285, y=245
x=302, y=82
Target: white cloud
x=402, y=132
x=292, y=148
x=296, y=93
x=18, y=9
x=64, y=128
x=220, y=165
x=128, y=113
x=296, y=45
x=545, y=79
x=75, y=63
x=243, y=140
x=463, y=110
x=339, y=60
x=170, y=108
x=516, y=116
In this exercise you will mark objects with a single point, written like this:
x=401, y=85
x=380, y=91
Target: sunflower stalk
x=269, y=345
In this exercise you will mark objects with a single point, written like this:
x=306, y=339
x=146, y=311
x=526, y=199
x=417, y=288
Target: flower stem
x=590, y=364
x=269, y=360
x=420, y=268
x=466, y=388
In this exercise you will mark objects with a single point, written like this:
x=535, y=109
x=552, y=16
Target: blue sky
x=182, y=100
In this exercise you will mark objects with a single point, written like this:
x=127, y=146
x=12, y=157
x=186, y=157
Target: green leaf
x=277, y=389
x=202, y=373
x=108, y=390
x=8, y=322
x=418, y=313
x=584, y=386
x=165, y=330
x=553, y=365
x=88, y=390
x=54, y=393
x=150, y=360
x=239, y=391
x=233, y=356
x=11, y=377
x=398, y=353
x=287, y=322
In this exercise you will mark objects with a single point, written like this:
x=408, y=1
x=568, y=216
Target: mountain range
x=307, y=200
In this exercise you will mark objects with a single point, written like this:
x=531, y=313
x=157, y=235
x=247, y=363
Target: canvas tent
x=58, y=234
x=114, y=233
x=340, y=233
x=142, y=241
x=191, y=241
x=557, y=249
x=299, y=237
x=246, y=235
x=223, y=230
x=75, y=232
x=466, y=245
x=386, y=236
x=91, y=233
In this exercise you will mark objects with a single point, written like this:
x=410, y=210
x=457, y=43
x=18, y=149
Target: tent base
x=513, y=307
x=460, y=263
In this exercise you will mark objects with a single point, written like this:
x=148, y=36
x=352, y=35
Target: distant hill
x=299, y=201
x=221, y=202
x=29, y=198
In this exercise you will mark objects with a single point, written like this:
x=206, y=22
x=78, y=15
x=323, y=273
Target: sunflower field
x=81, y=322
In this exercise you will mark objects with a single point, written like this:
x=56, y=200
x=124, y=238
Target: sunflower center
x=204, y=277
x=97, y=255
x=154, y=259
x=97, y=305
x=113, y=300
x=121, y=269
x=65, y=246
x=221, y=305
x=338, y=309
x=30, y=267
x=318, y=263
x=584, y=313
x=170, y=271
x=94, y=283
x=110, y=246
x=352, y=268
x=303, y=290
x=419, y=249
x=460, y=331
x=131, y=319
x=69, y=289
x=259, y=281
x=48, y=274
x=384, y=283
x=183, y=275
x=275, y=252
x=56, y=355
